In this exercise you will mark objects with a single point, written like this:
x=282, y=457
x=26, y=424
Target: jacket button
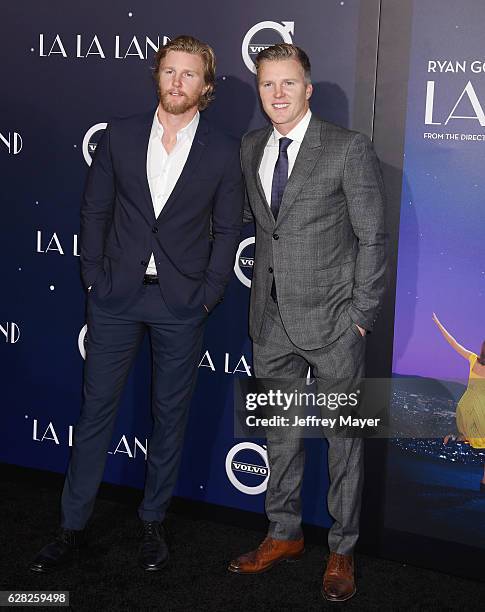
x=154, y=229
x=275, y=237
x=270, y=270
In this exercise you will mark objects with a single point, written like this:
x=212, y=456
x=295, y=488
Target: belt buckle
x=150, y=279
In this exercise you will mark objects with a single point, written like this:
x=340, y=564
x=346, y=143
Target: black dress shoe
x=153, y=554
x=60, y=553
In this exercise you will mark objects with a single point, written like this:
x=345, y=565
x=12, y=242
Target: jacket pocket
x=335, y=274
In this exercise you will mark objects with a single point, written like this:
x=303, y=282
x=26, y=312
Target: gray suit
x=327, y=255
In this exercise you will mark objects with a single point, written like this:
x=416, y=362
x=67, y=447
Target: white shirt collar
x=297, y=133
x=186, y=132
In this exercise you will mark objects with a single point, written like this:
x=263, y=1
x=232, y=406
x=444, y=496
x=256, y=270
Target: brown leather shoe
x=338, y=580
x=269, y=553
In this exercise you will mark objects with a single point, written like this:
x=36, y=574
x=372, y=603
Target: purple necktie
x=280, y=176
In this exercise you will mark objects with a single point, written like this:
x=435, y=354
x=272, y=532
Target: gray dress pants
x=275, y=356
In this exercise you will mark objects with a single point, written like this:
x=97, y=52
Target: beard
x=178, y=105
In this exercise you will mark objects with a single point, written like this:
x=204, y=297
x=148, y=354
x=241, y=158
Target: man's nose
x=278, y=91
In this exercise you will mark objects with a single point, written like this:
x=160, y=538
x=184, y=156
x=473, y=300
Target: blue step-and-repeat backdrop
x=66, y=71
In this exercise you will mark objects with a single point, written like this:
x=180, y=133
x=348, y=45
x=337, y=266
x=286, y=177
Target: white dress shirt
x=163, y=169
x=271, y=151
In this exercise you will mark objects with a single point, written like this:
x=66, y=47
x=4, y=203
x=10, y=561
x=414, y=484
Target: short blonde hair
x=283, y=51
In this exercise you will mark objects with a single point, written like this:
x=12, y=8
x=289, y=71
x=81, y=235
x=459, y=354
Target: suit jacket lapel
x=199, y=144
x=256, y=157
x=310, y=150
x=140, y=148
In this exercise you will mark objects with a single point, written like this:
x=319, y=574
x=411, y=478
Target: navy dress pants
x=112, y=343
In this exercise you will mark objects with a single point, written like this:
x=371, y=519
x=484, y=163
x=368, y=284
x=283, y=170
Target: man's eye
x=289, y=82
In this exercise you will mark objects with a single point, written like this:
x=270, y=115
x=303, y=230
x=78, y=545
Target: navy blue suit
x=119, y=230
x=194, y=240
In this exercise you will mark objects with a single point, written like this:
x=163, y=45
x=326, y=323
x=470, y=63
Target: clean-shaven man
x=160, y=224
x=316, y=195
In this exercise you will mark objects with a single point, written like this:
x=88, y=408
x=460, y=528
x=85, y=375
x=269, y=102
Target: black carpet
x=196, y=578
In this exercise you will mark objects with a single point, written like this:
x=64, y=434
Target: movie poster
x=435, y=481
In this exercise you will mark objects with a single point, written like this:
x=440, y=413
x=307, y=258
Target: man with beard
x=160, y=224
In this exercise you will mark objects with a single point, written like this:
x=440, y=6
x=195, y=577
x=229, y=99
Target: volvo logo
x=243, y=266
x=253, y=44
x=90, y=143
x=247, y=468
x=82, y=341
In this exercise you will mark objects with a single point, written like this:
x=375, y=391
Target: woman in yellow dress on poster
x=470, y=412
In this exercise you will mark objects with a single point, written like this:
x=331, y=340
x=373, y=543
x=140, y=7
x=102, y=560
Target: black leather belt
x=150, y=279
